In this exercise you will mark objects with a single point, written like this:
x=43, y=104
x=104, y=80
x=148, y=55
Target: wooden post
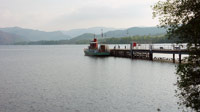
x=131, y=50
x=179, y=54
x=116, y=53
x=179, y=57
x=173, y=58
x=150, y=53
x=150, y=56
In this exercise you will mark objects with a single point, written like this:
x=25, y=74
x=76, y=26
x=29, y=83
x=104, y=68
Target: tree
x=182, y=20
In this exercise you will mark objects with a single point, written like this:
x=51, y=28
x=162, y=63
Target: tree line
x=112, y=40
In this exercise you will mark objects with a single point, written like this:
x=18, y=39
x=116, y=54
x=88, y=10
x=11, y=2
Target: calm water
x=61, y=79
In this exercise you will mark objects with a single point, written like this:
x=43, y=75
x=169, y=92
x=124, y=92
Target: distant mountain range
x=35, y=35
x=7, y=38
x=140, y=31
x=134, y=31
x=94, y=30
x=16, y=34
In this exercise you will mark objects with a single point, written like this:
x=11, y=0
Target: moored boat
x=94, y=50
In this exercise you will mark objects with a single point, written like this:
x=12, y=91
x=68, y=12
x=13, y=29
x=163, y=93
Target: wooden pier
x=147, y=54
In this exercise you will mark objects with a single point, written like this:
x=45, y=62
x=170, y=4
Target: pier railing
x=161, y=47
x=145, y=51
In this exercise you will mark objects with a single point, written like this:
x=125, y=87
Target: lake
x=59, y=78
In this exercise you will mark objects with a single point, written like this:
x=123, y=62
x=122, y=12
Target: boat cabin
x=104, y=48
x=94, y=44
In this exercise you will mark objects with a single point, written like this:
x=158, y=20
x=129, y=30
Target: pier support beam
x=124, y=53
x=151, y=56
x=173, y=58
x=150, y=53
x=179, y=57
x=131, y=50
x=116, y=53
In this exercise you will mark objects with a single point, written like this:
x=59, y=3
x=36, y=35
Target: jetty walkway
x=147, y=52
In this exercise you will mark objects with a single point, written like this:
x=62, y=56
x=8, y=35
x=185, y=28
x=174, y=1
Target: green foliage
x=122, y=40
x=138, y=39
x=43, y=42
x=181, y=17
x=189, y=81
x=182, y=20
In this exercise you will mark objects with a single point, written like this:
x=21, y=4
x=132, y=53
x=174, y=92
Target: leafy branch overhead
x=182, y=20
x=181, y=17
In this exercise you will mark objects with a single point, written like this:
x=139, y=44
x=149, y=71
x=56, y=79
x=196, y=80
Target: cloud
x=68, y=14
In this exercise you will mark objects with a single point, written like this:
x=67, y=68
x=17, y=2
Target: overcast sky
x=50, y=15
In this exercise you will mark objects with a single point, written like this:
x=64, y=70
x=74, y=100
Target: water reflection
x=61, y=78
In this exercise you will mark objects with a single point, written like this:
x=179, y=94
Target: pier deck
x=147, y=53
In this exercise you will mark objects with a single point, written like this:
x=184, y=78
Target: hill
x=7, y=38
x=35, y=35
x=84, y=37
x=121, y=40
x=29, y=35
x=93, y=30
x=134, y=31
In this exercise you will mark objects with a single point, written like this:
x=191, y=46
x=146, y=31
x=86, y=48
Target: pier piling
x=173, y=58
x=147, y=54
x=150, y=56
x=179, y=57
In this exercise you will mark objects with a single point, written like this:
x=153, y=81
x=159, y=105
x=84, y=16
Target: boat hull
x=95, y=53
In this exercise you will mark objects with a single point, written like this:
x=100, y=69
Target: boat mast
x=94, y=35
x=102, y=33
x=127, y=32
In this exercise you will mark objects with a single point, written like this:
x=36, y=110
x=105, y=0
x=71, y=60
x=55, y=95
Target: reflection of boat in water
x=93, y=49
